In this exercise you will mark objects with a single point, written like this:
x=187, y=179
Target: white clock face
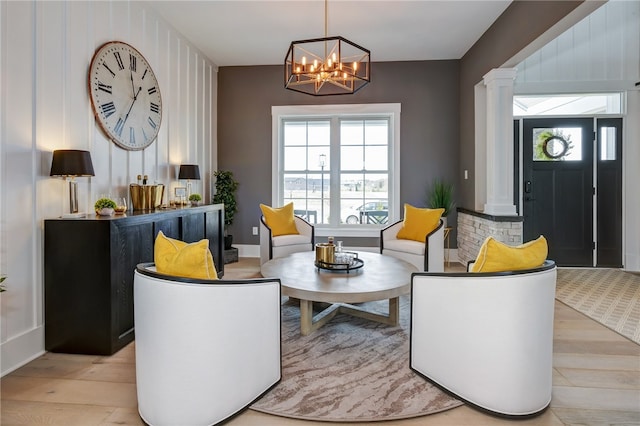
x=125, y=95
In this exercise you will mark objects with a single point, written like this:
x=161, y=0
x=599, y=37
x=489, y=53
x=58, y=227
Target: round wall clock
x=125, y=95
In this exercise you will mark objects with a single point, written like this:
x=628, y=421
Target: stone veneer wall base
x=474, y=227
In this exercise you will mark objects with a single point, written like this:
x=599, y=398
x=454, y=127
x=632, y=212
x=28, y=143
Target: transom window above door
x=337, y=164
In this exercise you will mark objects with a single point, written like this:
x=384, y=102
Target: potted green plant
x=226, y=187
x=105, y=206
x=195, y=199
x=441, y=197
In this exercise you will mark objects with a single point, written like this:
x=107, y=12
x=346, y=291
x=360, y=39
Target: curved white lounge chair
x=426, y=256
x=283, y=245
x=205, y=349
x=486, y=337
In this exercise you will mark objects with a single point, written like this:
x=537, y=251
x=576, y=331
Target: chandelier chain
x=326, y=18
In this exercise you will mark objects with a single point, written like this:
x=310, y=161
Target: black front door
x=558, y=187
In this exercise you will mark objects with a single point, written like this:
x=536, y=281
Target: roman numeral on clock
x=132, y=62
x=155, y=108
x=144, y=73
x=108, y=109
x=151, y=122
x=119, y=60
x=104, y=87
x=152, y=90
x=132, y=135
x=118, y=127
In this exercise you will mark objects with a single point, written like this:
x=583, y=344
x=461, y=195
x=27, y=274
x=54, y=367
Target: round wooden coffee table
x=381, y=277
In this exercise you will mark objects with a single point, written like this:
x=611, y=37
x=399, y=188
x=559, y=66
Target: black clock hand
x=135, y=97
x=133, y=89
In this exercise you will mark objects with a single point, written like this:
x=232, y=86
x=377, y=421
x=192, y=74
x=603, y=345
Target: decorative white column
x=499, y=142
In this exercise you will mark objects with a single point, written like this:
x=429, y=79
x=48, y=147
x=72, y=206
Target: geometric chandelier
x=326, y=66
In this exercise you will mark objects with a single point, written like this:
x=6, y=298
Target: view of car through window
x=375, y=212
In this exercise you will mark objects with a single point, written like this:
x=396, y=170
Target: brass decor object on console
x=146, y=197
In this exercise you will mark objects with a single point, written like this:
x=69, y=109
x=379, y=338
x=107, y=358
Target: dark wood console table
x=89, y=264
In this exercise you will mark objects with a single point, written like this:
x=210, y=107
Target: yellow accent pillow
x=175, y=257
x=280, y=219
x=418, y=223
x=496, y=256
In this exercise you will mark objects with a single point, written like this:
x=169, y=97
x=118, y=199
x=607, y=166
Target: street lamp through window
x=321, y=162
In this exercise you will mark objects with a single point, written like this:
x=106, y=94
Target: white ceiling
x=243, y=32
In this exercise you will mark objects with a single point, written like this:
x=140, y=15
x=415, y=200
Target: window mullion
x=334, y=219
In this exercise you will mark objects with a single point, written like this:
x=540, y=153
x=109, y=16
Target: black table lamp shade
x=71, y=162
x=189, y=171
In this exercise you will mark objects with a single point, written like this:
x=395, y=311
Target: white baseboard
x=631, y=263
x=453, y=255
x=249, y=250
x=20, y=350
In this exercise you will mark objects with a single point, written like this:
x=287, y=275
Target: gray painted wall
x=429, y=147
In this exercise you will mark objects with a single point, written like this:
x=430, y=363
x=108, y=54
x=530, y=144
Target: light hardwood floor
x=596, y=382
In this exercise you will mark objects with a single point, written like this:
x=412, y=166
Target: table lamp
x=71, y=163
x=188, y=172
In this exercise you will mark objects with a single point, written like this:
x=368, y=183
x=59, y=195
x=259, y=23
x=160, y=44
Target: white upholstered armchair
x=426, y=256
x=486, y=337
x=205, y=349
x=283, y=245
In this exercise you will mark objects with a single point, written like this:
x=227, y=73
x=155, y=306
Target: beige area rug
x=609, y=296
x=350, y=370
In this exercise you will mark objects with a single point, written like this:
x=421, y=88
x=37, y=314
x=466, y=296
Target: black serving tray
x=356, y=264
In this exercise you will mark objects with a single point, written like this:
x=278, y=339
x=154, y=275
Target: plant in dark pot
x=441, y=197
x=226, y=187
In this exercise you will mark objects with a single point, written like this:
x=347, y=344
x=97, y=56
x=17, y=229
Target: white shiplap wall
x=45, y=51
x=599, y=53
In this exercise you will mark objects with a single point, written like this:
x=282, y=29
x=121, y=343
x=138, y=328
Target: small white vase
x=107, y=211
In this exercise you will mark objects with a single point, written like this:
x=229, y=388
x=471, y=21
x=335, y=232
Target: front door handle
x=527, y=190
